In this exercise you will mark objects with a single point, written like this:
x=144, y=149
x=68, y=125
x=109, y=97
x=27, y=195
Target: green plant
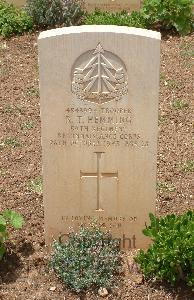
x=120, y=18
x=162, y=77
x=3, y=71
x=188, y=166
x=187, y=52
x=8, y=218
x=9, y=109
x=169, y=14
x=35, y=185
x=171, y=256
x=179, y=104
x=50, y=13
x=27, y=125
x=10, y=141
x=2, y=172
x=165, y=187
x=32, y=91
x=88, y=259
x=13, y=20
x=173, y=84
x=13, y=109
x=162, y=119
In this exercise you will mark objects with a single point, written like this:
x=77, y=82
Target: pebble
x=4, y=45
x=138, y=279
x=102, y=292
x=53, y=288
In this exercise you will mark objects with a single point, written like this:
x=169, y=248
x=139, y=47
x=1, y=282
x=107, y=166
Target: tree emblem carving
x=100, y=79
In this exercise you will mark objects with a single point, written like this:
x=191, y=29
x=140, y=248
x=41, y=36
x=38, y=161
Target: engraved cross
x=99, y=175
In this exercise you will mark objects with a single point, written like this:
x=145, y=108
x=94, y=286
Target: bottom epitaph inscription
x=112, y=5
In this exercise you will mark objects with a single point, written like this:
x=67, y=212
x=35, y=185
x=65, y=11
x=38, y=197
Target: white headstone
x=99, y=109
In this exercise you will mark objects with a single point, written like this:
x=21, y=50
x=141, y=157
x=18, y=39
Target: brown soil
x=24, y=272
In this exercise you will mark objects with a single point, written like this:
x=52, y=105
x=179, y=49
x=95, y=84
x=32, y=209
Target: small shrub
x=171, y=257
x=7, y=218
x=120, y=18
x=13, y=20
x=169, y=14
x=50, y=13
x=88, y=259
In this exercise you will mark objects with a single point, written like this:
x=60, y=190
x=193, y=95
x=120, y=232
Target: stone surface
x=137, y=278
x=99, y=108
x=102, y=292
x=90, y=5
x=112, y=5
x=17, y=2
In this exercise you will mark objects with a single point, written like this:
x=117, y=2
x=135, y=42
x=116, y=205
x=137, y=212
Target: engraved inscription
x=90, y=127
x=112, y=5
x=98, y=175
x=108, y=222
x=99, y=77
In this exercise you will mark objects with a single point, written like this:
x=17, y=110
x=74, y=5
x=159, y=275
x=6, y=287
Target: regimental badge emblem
x=99, y=76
